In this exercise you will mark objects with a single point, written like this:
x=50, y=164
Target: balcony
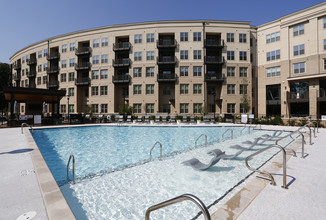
x=31, y=62
x=121, y=79
x=210, y=43
x=166, y=43
x=83, y=51
x=166, y=60
x=52, y=70
x=31, y=74
x=16, y=77
x=273, y=102
x=53, y=56
x=17, y=66
x=85, y=81
x=166, y=77
x=52, y=84
x=214, y=60
x=214, y=77
x=125, y=62
x=321, y=95
x=83, y=66
x=122, y=46
x=295, y=97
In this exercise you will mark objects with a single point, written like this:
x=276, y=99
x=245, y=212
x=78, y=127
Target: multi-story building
x=178, y=67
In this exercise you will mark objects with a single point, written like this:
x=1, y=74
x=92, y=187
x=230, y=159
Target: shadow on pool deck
x=19, y=151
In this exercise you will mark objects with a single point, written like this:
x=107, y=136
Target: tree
x=125, y=109
x=4, y=74
x=245, y=102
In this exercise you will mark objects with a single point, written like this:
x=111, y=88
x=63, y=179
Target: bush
x=303, y=121
x=292, y=122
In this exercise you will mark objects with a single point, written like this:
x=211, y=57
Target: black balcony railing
x=216, y=60
x=53, y=56
x=218, y=77
x=52, y=70
x=85, y=81
x=31, y=74
x=121, y=79
x=83, y=51
x=83, y=66
x=125, y=62
x=17, y=66
x=52, y=84
x=218, y=43
x=167, y=60
x=166, y=43
x=164, y=77
x=302, y=96
x=122, y=46
x=31, y=62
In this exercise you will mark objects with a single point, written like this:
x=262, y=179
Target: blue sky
x=26, y=22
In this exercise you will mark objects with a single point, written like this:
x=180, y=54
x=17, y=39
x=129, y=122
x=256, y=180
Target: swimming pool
x=127, y=193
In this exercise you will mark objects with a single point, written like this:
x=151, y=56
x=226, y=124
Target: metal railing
x=226, y=132
x=266, y=173
x=200, y=137
x=290, y=135
x=22, y=129
x=150, y=153
x=244, y=129
x=73, y=168
x=178, y=199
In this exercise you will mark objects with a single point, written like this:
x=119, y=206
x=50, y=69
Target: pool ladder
x=73, y=168
x=150, y=153
x=22, y=129
x=178, y=199
x=200, y=137
x=229, y=129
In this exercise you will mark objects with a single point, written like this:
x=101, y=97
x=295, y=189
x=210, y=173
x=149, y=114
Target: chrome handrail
x=73, y=168
x=290, y=135
x=311, y=123
x=266, y=173
x=316, y=125
x=22, y=130
x=310, y=138
x=201, y=136
x=178, y=199
x=150, y=153
x=243, y=129
x=227, y=131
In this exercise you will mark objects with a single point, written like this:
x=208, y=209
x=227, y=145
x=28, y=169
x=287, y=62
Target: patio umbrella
x=15, y=107
x=44, y=108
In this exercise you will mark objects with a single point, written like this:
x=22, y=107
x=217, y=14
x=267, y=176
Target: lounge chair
x=225, y=156
x=205, y=119
x=139, y=119
x=100, y=118
x=164, y=119
x=146, y=118
x=157, y=118
x=184, y=119
x=196, y=164
x=212, y=119
x=120, y=118
x=172, y=119
x=129, y=118
x=192, y=119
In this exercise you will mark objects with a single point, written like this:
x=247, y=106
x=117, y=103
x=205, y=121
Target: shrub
x=303, y=121
x=292, y=122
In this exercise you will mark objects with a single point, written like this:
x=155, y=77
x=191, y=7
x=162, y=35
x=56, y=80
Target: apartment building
x=176, y=67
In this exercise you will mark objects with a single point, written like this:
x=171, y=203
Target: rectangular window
x=104, y=108
x=71, y=108
x=184, y=54
x=184, y=108
x=149, y=89
x=138, y=39
x=45, y=52
x=150, y=55
x=166, y=90
x=63, y=108
x=23, y=59
x=274, y=71
x=243, y=71
x=71, y=76
x=184, y=88
x=242, y=38
x=96, y=43
x=299, y=67
x=273, y=55
x=324, y=64
x=231, y=108
x=298, y=30
x=324, y=44
x=197, y=88
x=197, y=54
x=95, y=74
x=72, y=46
x=63, y=77
x=39, y=80
x=197, y=70
x=104, y=58
x=197, y=36
x=137, y=56
x=137, y=89
x=71, y=91
x=96, y=59
x=197, y=107
x=242, y=55
x=105, y=42
x=94, y=108
x=149, y=71
x=137, y=108
x=230, y=37
x=64, y=48
x=137, y=72
x=230, y=71
x=243, y=89
x=104, y=74
x=39, y=54
x=231, y=89
x=45, y=79
x=63, y=63
x=273, y=37
x=184, y=71
x=184, y=36
x=72, y=62
x=45, y=66
x=149, y=108
x=94, y=90
x=298, y=50
x=104, y=90
x=230, y=55
x=324, y=22
x=39, y=68
x=150, y=38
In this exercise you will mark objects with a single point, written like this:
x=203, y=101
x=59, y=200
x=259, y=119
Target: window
x=197, y=71
x=72, y=46
x=166, y=108
x=71, y=108
x=242, y=109
x=63, y=108
x=299, y=67
x=95, y=74
x=242, y=38
x=64, y=48
x=184, y=108
x=298, y=50
x=231, y=89
x=45, y=79
x=137, y=108
x=184, y=71
x=23, y=59
x=94, y=90
x=150, y=55
x=137, y=72
x=137, y=89
x=63, y=63
x=197, y=54
x=104, y=58
x=104, y=90
x=45, y=52
x=184, y=36
x=166, y=90
x=184, y=88
x=230, y=37
x=150, y=38
x=39, y=68
x=197, y=36
x=149, y=89
x=197, y=107
x=45, y=66
x=96, y=60
x=72, y=62
x=231, y=108
x=39, y=80
x=71, y=76
x=105, y=42
x=273, y=55
x=137, y=56
x=324, y=64
x=324, y=22
x=230, y=71
x=104, y=108
x=274, y=71
x=94, y=108
x=138, y=39
x=149, y=71
x=243, y=89
x=243, y=55
x=197, y=88
x=273, y=37
x=63, y=77
x=39, y=54
x=23, y=83
x=184, y=54
x=104, y=74
x=230, y=55
x=243, y=71
x=324, y=44
x=71, y=91
x=149, y=108
x=96, y=43
x=298, y=30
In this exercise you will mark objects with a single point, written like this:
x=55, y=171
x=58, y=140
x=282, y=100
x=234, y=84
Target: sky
x=26, y=22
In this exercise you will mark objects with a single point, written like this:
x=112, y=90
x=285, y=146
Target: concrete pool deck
x=23, y=192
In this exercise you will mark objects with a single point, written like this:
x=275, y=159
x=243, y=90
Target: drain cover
x=27, y=215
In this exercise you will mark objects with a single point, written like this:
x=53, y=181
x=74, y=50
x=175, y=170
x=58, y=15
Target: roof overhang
x=314, y=76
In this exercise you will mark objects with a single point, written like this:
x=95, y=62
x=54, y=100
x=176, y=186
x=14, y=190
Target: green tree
x=4, y=74
x=125, y=109
x=245, y=102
